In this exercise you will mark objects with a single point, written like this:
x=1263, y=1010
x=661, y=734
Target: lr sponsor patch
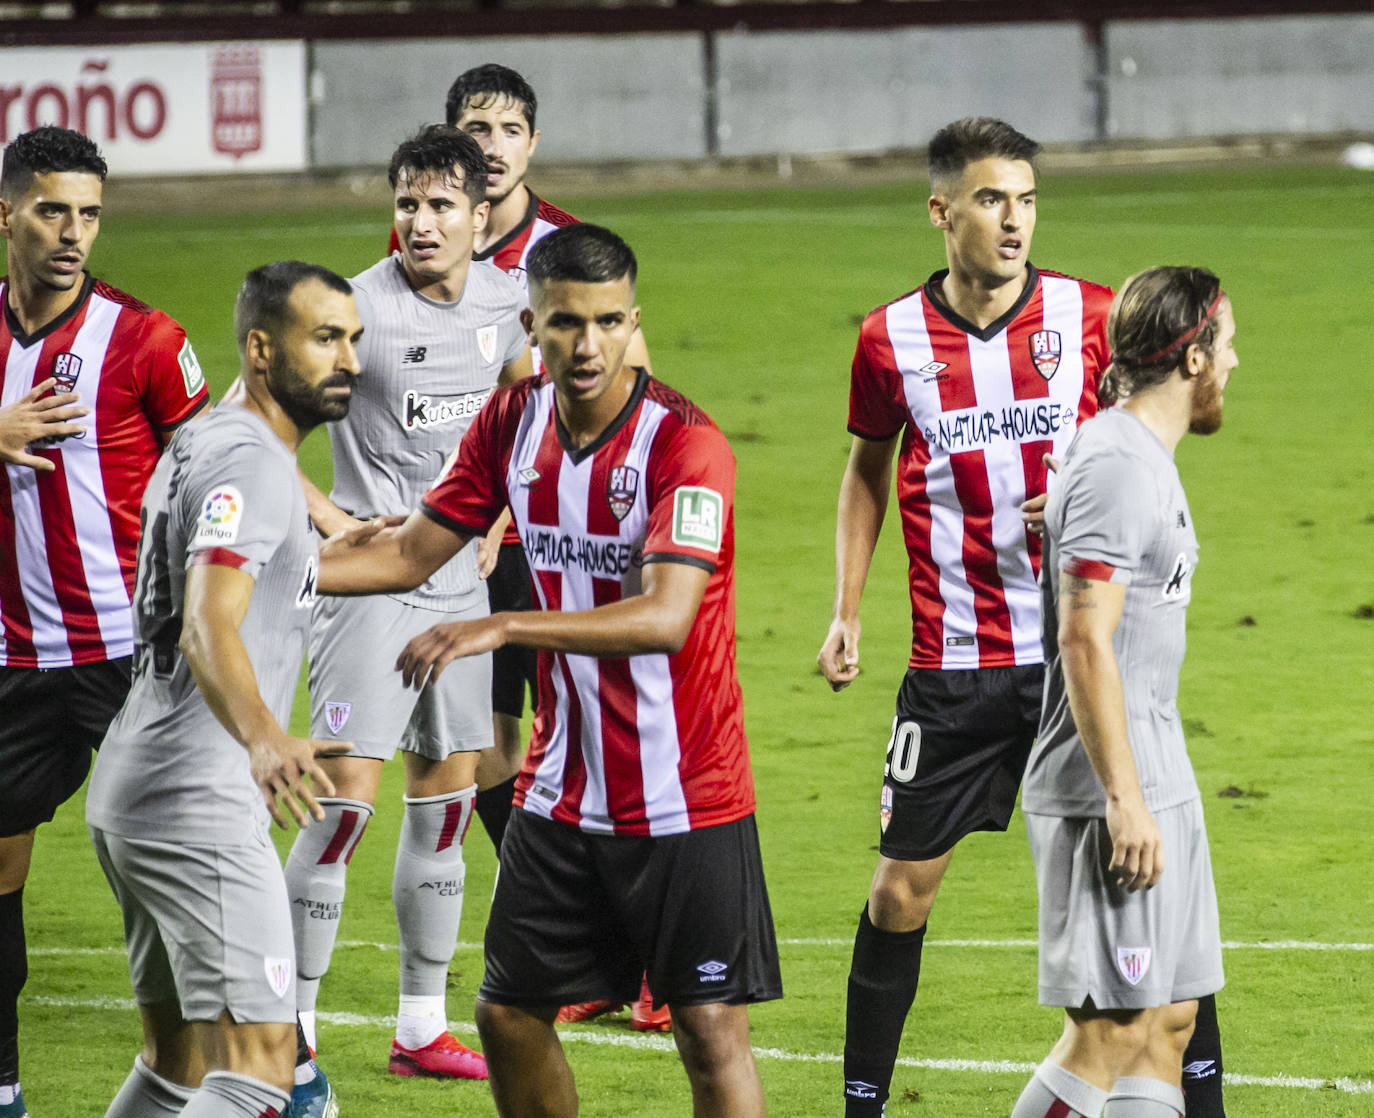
x=486, y=343
x=279, y=973
x=698, y=517
x=1133, y=962
x=621, y=489
x=1045, y=351
x=336, y=714
x=221, y=513
x=191, y=376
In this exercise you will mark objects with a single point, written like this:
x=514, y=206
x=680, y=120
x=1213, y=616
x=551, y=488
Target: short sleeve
x=173, y=385
x=239, y=505
x=471, y=493
x=693, y=491
x=1103, y=517
x=876, y=407
x=515, y=337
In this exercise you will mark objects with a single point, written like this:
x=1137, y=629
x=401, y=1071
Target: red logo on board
x=236, y=100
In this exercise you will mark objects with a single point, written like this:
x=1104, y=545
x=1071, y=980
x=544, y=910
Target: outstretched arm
x=1089, y=612
x=657, y=620
x=217, y=600
x=379, y=557
x=863, y=504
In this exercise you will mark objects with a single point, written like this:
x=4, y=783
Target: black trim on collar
x=26, y=340
x=937, y=300
x=581, y=454
x=531, y=212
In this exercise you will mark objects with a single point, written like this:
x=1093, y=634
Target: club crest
x=622, y=487
x=66, y=367
x=486, y=342
x=1133, y=962
x=1045, y=350
x=336, y=714
x=279, y=974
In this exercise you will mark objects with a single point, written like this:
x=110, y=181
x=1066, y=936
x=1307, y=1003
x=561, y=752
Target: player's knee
x=711, y=1039
x=1173, y=1027
x=900, y=901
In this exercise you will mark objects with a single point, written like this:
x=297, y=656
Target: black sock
x=882, y=986
x=14, y=971
x=494, y=808
x=1202, y=1064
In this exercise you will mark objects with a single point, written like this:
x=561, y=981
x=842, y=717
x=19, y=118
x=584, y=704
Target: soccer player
x=68, y=503
x=1128, y=911
x=197, y=758
x=633, y=844
x=441, y=330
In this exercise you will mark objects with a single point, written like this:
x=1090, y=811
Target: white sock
x=1139, y=1097
x=8, y=1093
x=307, y=1017
x=421, y=1020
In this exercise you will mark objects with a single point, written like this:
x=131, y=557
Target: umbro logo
x=1200, y=1069
x=933, y=370
x=858, y=1089
x=414, y=355
x=529, y=475
x=712, y=971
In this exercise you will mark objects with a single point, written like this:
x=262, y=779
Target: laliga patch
x=336, y=714
x=698, y=518
x=220, y=517
x=486, y=343
x=621, y=489
x=1133, y=962
x=191, y=375
x=1045, y=351
x=279, y=973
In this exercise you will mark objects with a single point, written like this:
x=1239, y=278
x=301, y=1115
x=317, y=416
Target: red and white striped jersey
x=69, y=538
x=979, y=409
x=644, y=745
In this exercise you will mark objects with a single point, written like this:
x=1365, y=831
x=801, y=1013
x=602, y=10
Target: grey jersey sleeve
x=515, y=338
x=1106, y=507
x=235, y=503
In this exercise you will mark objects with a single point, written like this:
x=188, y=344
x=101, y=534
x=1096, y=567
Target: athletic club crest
x=621, y=489
x=1045, y=349
x=279, y=973
x=486, y=343
x=66, y=367
x=336, y=714
x=1133, y=962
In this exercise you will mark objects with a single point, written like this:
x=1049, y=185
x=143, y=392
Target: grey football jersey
x=427, y=369
x=1118, y=512
x=226, y=492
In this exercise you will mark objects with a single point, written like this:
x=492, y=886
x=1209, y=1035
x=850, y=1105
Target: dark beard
x=305, y=404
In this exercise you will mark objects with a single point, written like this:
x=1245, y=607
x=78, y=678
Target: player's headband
x=1187, y=336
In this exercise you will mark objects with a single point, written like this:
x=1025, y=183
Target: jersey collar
x=26, y=340
x=983, y=334
x=582, y=453
x=531, y=211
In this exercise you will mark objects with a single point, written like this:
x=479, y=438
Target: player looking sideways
x=973, y=378
x=633, y=842
x=441, y=330
x=68, y=503
x=197, y=758
x=1128, y=911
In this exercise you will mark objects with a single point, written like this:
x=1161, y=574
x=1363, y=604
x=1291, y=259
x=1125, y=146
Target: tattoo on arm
x=1077, y=587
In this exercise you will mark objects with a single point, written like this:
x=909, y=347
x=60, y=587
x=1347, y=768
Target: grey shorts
x=206, y=925
x=356, y=693
x=1125, y=950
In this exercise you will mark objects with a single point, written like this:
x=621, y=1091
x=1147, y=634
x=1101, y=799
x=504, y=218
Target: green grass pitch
x=751, y=302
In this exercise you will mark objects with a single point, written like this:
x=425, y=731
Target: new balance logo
x=858, y=1089
x=1200, y=1069
x=414, y=355
x=1182, y=520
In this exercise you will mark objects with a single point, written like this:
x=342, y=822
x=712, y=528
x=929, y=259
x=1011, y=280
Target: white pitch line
x=604, y=1039
x=830, y=941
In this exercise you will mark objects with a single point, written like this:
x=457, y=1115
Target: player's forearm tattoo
x=1077, y=587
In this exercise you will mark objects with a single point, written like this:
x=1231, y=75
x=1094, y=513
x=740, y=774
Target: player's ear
x=527, y=320
x=257, y=349
x=939, y=211
x=1195, y=361
x=534, y=140
x=480, y=213
x=5, y=211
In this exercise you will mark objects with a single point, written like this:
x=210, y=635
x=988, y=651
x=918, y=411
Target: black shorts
x=956, y=756
x=579, y=917
x=52, y=718
x=514, y=668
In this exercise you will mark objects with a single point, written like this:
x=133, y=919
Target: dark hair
x=485, y=85
x=1155, y=317
x=966, y=141
x=43, y=150
x=582, y=254
x=266, y=291
x=438, y=149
